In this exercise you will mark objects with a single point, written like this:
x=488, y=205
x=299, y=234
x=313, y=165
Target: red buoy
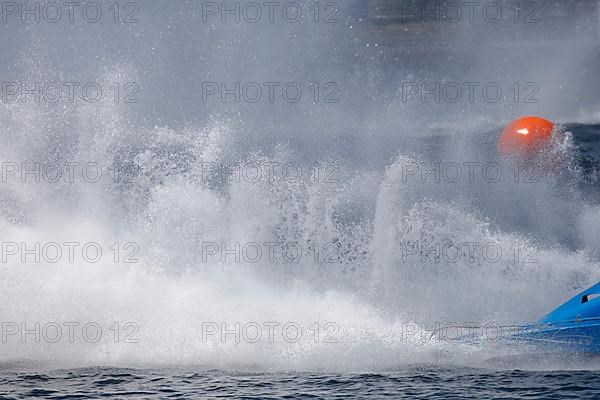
x=525, y=137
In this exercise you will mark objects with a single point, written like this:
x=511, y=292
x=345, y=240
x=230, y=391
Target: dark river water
x=416, y=382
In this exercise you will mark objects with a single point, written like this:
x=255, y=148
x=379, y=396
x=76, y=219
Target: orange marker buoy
x=525, y=137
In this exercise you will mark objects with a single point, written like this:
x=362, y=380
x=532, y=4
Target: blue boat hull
x=576, y=336
x=571, y=329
